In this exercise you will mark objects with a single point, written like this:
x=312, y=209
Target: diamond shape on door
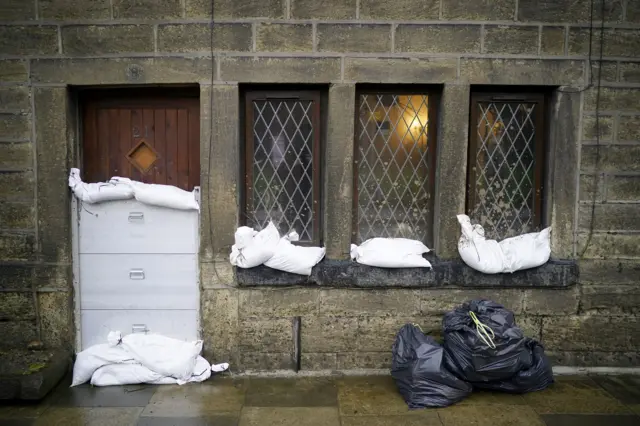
x=142, y=156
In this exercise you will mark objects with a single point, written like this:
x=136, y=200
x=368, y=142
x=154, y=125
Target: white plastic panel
x=138, y=281
x=129, y=226
x=96, y=325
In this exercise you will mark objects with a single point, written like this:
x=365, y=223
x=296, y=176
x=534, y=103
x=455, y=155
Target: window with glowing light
x=506, y=163
x=394, y=165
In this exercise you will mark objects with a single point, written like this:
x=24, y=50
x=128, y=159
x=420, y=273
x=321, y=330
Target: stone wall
x=49, y=46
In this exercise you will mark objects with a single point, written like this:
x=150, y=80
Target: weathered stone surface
x=531, y=326
x=623, y=188
x=346, y=303
x=591, y=333
x=331, y=9
x=28, y=40
x=613, y=158
x=552, y=302
x=13, y=70
x=522, y=71
x=353, y=38
x=594, y=359
x=364, y=360
x=451, y=38
x=322, y=334
x=16, y=306
x=53, y=277
x=16, y=277
x=611, y=299
x=552, y=41
x=214, y=274
x=16, y=155
x=481, y=10
x=610, y=246
x=280, y=70
x=225, y=9
x=54, y=216
x=587, y=186
x=260, y=361
x=400, y=9
x=15, y=126
x=609, y=71
x=14, y=99
x=400, y=70
x=445, y=274
x=439, y=302
x=103, y=39
x=17, y=10
x=56, y=318
x=567, y=10
x=17, y=215
x=121, y=71
x=147, y=9
x=197, y=37
x=633, y=12
x=452, y=167
x=629, y=128
x=18, y=381
x=17, y=246
x=265, y=335
x=622, y=42
x=284, y=37
x=74, y=9
x=590, y=130
x=220, y=171
x=275, y=303
x=377, y=334
x=17, y=334
x=630, y=72
x=613, y=99
x=522, y=40
x=220, y=323
x=579, y=42
x=565, y=143
x=313, y=361
x=611, y=217
x=16, y=186
x=613, y=272
x=339, y=167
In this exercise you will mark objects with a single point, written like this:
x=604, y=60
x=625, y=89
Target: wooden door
x=148, y=137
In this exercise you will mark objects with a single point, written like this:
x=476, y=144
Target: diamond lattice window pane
x=394, y=165
x=142, y=156
x=505, y=168
x=283, y=136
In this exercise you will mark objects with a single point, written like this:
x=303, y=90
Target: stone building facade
x=583, y=305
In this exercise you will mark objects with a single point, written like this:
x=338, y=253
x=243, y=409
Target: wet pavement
x=336, y=401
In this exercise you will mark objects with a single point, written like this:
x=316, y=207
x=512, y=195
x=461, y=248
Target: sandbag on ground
x=420, y=374
x=483, y=344
x=391, y=253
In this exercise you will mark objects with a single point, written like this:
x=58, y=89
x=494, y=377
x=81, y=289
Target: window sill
x=445, y=273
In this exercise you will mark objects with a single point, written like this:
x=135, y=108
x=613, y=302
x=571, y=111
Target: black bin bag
x=538, y=377
x=483, y=344
x=419, y=372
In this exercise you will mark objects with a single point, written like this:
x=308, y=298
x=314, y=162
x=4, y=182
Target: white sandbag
x=476, y=251
x=130, y=374
x=295, y=259
x=95, y=357
x=252, y=249
x=93, y=193
x=391, y=253
x=511, y=254
x=163, y=355
x=167, y=196
x=526, y=251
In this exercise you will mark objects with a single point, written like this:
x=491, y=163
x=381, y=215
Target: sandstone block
x=623, y=188
x=552, y=302
x=280, y=70
x=330, y=9
x=353, y=38
x=349, y=303
x=13, y=70
x=17, y=215
x=591, y=333
x=225, y=9
x=610, y=217
x=521, y=40
x=329, y=335
x=480, y=10
x=552, y=42
x=16, y=155
x=17, y=306
x=197, y=37
x=589, y=130
x=278, y=303
x=613, y=158
x=14, y=99
x=399, y=10
x=629, y=128
x=17, y=246
x=284, y=38
x=147, y=9
x=104, y=39
x=74, y=9
x=451, y=38
x=28, y=40
x=265, y=335
x=383, y=70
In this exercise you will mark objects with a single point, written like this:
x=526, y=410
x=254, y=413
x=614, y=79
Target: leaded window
x=282, y=162
x=394, y=173
x=506, y=163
